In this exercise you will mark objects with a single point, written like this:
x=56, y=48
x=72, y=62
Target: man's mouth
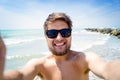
x=59, y=44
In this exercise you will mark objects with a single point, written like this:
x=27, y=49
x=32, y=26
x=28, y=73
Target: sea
x=25, y=44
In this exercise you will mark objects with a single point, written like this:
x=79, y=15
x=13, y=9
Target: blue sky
x=84, y=13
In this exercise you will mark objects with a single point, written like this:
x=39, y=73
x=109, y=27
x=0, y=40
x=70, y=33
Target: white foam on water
x=13, y=41
x=84, y=40
x=16, y=56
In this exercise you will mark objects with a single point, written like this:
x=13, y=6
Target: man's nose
x=59, y=36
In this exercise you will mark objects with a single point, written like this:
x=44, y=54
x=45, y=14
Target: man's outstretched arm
x=2, y=57
x=28, y=72
x=112, y=70
x=7, y=74
x=106, y=70
x=12, y=75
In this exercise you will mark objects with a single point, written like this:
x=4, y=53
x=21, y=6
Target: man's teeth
x=60, y=44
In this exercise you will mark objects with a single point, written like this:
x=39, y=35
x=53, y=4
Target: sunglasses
x=66, y=32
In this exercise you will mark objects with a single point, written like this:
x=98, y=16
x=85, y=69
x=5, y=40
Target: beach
x=23, y=45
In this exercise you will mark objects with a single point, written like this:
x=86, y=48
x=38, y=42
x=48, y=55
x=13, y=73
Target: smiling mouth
x=59, y=44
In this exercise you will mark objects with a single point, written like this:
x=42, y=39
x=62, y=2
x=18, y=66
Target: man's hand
x=2, y=57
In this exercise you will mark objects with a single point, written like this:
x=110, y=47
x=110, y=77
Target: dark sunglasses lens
x=52, y=33
x=65, y=32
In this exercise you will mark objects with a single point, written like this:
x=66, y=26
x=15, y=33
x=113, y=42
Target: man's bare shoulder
x=85, y=56
x=77, y=54
x=80, y=59
x=92, y=56
x=89, y=53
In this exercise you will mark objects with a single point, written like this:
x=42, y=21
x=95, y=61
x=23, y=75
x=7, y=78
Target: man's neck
x=62, y=58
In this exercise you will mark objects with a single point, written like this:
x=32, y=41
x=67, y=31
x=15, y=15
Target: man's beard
x=65, y=51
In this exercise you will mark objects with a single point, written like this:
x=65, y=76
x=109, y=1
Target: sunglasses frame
x=53, y=33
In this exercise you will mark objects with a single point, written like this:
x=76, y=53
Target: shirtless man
x=63, y=63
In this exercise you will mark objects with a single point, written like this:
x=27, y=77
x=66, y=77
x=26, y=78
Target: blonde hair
x=57, y=16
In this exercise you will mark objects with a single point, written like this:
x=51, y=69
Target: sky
x=29, y=14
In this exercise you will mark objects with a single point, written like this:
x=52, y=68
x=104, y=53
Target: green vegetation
x=111, y=31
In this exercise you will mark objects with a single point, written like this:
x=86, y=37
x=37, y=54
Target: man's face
x=58, y=45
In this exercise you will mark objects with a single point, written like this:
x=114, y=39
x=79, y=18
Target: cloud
x=32, y=14
x=28, y=18
x=91, y=16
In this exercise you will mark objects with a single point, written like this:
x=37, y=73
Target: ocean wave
x=87, y=42
x=13, y=41
x=25, y=56
x=101, y=41
x=16, y=57
x=85, y=46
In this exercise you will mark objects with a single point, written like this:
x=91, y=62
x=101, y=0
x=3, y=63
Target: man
x=63, y=63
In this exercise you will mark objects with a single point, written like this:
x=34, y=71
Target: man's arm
x=13, y=73
x=2, y=57
x=28, y=72
x=107, y=70
x=112, y=70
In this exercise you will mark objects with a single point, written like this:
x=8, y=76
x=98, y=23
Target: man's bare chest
x=65, y=71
